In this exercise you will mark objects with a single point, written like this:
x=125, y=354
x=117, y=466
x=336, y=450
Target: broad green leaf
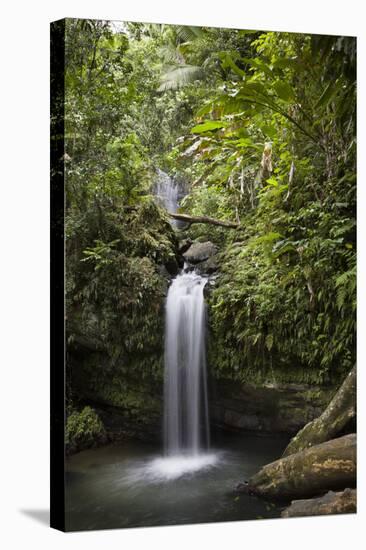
x=272, y=181
x=259, y=64
x=269, y=131
x=284, y=90
x=228, y=62
x=329, y=92
x=205, y=109
x=255, y=88
x=247, y=142
x=208, y=126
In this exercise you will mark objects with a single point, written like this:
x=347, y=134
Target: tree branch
x=202, y=219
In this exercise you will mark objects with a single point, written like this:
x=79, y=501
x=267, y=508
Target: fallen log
x=202, y=219
x=344, y=502
x=329, y=424
x=324, y=467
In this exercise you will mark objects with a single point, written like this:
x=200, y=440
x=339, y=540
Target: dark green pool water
x=129, y=485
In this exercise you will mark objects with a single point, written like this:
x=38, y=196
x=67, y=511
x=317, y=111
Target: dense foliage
x=279, y=145
x=119, y=243
x=83, y=430
x=261, y=126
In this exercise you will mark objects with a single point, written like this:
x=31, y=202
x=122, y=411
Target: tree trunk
x=329, y=424
x=344, y=502
x=202, y=219
x=329, y=466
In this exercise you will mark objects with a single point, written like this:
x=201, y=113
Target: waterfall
x=186, y=428
x=167, y=191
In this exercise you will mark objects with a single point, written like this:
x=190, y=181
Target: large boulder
x=344, y=502
x=199, y=252
x=208, y=267
x=183, y=245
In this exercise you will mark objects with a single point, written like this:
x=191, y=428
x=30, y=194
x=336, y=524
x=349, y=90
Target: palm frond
x=154, y=29
x=170, y=54
x=181, y=76
x=188, y=33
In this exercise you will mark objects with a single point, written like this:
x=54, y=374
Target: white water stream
x=186, y=425
x=167, y=191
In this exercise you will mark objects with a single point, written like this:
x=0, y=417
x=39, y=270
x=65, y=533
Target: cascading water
x=186, y=424
x=167, y=191
x=186, y=428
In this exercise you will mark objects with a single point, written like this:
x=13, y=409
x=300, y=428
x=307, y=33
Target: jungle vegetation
x=262, y=128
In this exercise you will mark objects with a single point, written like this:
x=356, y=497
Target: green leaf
x=282, y=247
x=208, y=126
x=269, y=131
x=284, y=90
x=269, y=341
x=205, y=109
x=259, y=64
x=328, y=93
x=272, y=181
x=285, y=63
x=254, y=88
x=247, y=142
x=228, y=62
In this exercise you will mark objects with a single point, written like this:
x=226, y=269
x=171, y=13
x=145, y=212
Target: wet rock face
x=199, y=252
x=172, y=267
x=208, y=267
x=283, y=408
x=344, y=502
